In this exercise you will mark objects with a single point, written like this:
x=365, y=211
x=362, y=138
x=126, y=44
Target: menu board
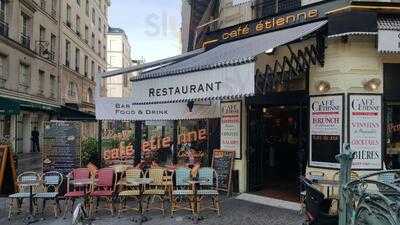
x=62, y=146
x=326, y=130
x=230, y=127
x=365, y=130
x=222, y=162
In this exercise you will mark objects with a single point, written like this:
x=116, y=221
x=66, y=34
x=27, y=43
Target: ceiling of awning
x=234, y=53
x=388, y=33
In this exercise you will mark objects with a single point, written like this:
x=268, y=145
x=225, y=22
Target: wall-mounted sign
x=365, y=130
x=271, y=23
x=231, y=113
x=326, y=130
x=126, y=109
x=239, y=2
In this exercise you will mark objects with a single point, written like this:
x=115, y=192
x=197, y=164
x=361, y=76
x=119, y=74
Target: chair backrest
x=315, y=175
x=206, y=176
x=80, y=173
x=105, y=177
x=182, y=176
x=51, y=181
x=132, y=174
x=29, y=176
x=157, y=175
x=353, y=175
x=387, y=178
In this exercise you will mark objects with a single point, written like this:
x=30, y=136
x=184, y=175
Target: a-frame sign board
x=8, y=173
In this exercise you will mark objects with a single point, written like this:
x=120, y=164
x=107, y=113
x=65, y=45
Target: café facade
x=283, y=92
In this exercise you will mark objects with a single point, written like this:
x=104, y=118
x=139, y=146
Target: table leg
x=31, y=218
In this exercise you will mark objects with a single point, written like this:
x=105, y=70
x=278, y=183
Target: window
x=77, y=59
x=125, y=82
x=41, y=81
x=93, y=16
x=43, y=4
x=53, y=8
x=99, y=47
x=78, y=2
x=25, y=78
x=89, y=97
x=42, y=39
x=72, y=89
x=52, y=86
x=86, y=34
x=68, y=16
x=87, y=7
x=2, y=10
x=93, y=40
x=42, y=33
x=85, y=65
x=53, y=42
x=25, y=39
x=67, y=52
x=92, y=68
x=99, y=24
x=78, y=25
x=3, y=68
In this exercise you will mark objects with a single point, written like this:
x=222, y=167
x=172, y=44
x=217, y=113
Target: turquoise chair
x=208, y=177
x=183, y=191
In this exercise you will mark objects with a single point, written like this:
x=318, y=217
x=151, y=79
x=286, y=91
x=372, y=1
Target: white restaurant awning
x=389, y=34
x=224, y=72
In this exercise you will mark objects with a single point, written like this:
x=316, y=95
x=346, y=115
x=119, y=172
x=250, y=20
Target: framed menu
x=326, y=129
x=365, y=130
x=61, y=146
x=231, y=118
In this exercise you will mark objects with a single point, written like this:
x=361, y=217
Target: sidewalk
x=234, y=212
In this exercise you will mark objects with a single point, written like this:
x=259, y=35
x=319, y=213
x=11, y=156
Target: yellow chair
x=128, y=189
x=156, y=189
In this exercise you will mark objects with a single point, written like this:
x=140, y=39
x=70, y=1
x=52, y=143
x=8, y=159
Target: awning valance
x=10, y=106
x=389, y=34
x=124, y=109
x=67, y=113
x=225, y=71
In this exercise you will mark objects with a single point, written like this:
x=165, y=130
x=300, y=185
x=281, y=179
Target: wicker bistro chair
x=182, y=191
x=128, y=190
x=73, y=192
x=16, y=199
x=208, y=187
x=103, y=188
x=51, y=182
x=156, y=189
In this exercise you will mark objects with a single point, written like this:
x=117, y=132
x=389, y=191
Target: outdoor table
x=195, y=184
x=31, y=218
x=83, y=183
x=138, y=182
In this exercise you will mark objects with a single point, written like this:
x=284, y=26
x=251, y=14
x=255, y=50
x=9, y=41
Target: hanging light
x=372, y=85
x=323, y=86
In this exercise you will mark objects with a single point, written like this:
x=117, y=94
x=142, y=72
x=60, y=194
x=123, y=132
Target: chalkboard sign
x=8, y=174
x=61, y=146
x=222, y=162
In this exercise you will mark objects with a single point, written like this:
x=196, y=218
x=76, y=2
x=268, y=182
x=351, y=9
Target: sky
x=152, y=26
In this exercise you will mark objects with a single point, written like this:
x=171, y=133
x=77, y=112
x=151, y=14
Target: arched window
x=89, y=95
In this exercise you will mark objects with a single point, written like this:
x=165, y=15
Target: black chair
x=317, y=207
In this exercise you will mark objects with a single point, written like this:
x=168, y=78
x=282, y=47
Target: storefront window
x=393, y=136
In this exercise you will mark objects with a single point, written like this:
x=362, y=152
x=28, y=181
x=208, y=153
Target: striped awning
x=389, y=34
x=226, y=71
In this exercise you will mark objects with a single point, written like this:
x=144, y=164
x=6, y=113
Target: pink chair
x=103, y=188
x=75, y=192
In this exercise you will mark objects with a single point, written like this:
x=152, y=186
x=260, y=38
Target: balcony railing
x=53, y=13
x=25, y=41
x=3, y=28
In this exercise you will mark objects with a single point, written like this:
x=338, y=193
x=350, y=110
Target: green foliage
x=90, y=152
x=109, y=143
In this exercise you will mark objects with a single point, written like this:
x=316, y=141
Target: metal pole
x=138, y=142
x=345, y=159
x=99, y=143
x=175, y=142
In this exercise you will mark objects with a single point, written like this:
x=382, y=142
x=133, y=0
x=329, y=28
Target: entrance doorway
x=277, y=149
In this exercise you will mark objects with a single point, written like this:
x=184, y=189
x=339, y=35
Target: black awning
x=71, y=114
